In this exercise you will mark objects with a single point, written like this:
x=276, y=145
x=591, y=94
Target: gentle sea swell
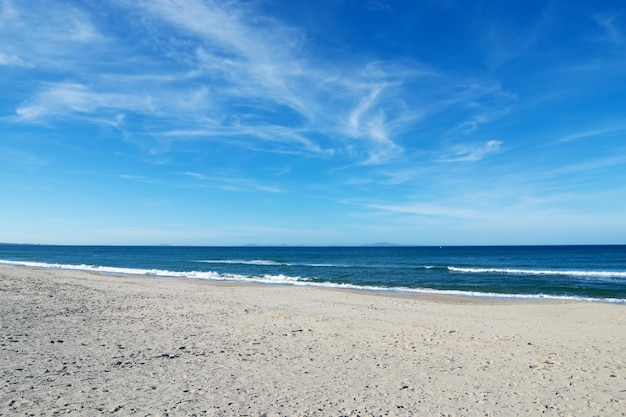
x=242, y=262
x=262, y=262
x=595, y=274
x=281, y=279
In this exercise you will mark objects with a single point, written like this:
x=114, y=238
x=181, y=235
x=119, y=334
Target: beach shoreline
x=93, y=344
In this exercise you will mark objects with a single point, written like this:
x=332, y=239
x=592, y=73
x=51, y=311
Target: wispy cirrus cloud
x=269, y=137
x=13, y=60
x=223, y=71
x=262, y=69
x=69, y=99
x=258, y=55
x=47, y=37
x=423, y=209
x=598, y=132
x=230, y=183
x=588, y=166
x=472, y=153
x=224, y=182
x=609, y=23
x=264, y=65
x=503, y=42
x=368, y=120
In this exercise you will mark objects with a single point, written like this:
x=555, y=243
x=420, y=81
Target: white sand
x=88, y=344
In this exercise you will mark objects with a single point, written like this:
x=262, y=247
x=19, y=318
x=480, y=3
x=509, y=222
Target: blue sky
x=316, y=122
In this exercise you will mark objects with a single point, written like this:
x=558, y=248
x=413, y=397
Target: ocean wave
x=261, y=262
x=114, y=270
x=282, y=279
x=242, y=262
x=207, y=275
x=590, y=274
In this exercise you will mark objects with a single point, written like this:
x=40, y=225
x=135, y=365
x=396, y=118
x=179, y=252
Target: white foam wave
x=208, y=275
x=260, y=262
x=597, y=274
x=301, y=281
x=242, y=262
x=114, y=270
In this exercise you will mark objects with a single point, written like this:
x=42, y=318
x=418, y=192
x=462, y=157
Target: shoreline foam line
x=300, y=281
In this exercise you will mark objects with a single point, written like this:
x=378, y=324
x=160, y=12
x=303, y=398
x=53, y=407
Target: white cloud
x=420, y=209
x=13, y=60
x=259, y=137
x=599, y=132
x=355, y=123
x=51, y=35
x=588, y=166
x=66, y=99
x=265, y=64
x=220, y=70
x=368, y=121
x=226, y=183
x=472, y=153
x=257, y=54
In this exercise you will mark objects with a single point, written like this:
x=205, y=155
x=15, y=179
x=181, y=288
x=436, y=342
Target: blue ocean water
x=596, y=273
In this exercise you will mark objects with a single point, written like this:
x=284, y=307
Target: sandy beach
x=90, y=344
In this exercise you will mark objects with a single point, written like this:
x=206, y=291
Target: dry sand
x=88, y=344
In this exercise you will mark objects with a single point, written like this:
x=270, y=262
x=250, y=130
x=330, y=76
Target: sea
x=590, y=273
